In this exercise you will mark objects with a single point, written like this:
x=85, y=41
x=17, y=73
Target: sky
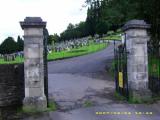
x=57, y=13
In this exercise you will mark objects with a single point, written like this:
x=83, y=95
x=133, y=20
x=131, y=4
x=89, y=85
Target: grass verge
x=77, y=52
x=88, y=103
x=65, y=54
x=26, y=112
x=119, y=97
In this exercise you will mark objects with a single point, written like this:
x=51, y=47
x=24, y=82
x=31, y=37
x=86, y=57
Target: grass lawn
x=65, y=54
x=77, y=52
x=112, y=37
x=17, y=60
x=154, y=67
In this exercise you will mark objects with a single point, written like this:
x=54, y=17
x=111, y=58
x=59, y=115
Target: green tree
x=20, y=44
x=70, y=26
x=104, y=15
x=8, y=46
x=101, y=28
x=53, y=38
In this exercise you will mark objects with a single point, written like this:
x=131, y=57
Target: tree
x=53, y=38
x=20, y=44
x=8, y=46
x=74, y=31
x=101, y=28
x=70, y=26
x=104, y=15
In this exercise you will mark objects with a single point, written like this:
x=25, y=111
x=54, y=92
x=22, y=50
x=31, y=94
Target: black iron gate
x=121, y=78
x=154, y=67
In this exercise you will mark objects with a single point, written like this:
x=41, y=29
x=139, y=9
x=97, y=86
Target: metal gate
x=121, y=78
x=154, y=67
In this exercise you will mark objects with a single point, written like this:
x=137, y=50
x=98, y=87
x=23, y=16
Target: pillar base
x=31, y=104
x=140, y=96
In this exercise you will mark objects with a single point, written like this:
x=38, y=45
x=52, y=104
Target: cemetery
x=72, y=50
x=61, y=50
x=34, y=90
x=105, y=67
x=34, y=94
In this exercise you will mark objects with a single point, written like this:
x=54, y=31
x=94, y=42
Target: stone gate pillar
x=137, y=62
x=34, y=63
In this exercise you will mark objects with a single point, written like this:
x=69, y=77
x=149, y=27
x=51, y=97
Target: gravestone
x=34, y=63
x=137, y=62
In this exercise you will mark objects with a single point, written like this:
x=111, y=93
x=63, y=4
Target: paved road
x=74, y=81
x=77, y=81
x=127, y=112
x=92, y=63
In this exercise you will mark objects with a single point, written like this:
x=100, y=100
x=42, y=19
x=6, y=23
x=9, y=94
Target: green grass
x=65, y=54
x=154, y=67
x=112, y=37
x=119, y=97
x=76, y=52
x=52, y=107
x=135, y=100
x=17, y=60
x=27, y=111
x=88, y=103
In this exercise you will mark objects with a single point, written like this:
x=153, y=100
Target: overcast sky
x=57, y=13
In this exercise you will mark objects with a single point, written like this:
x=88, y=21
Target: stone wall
x=11, y=84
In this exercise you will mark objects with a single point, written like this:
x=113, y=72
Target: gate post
x=137, y=60
x=34, y=63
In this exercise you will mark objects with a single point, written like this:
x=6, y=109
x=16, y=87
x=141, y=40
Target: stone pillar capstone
x=137, y=59
x=34, y=63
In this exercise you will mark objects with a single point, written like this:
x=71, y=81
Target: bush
x=8, y=46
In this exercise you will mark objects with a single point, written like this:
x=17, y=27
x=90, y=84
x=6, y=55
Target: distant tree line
x=113, y=14
x=9, y=45
x=106, y=15
x=103, y=16
x=74, y=31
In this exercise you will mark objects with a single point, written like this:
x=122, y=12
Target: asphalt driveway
x=78, y=82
